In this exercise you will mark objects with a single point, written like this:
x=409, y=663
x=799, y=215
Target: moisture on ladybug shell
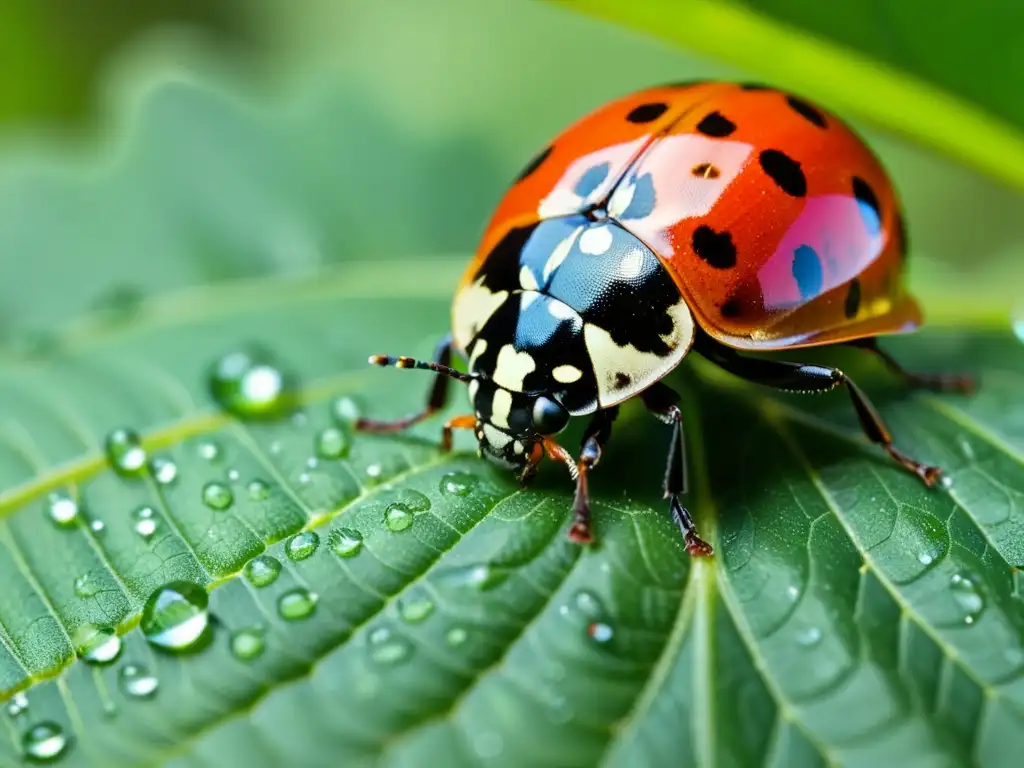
x=713, y=217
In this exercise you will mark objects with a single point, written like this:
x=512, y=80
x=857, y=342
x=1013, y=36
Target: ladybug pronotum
x=710, y=217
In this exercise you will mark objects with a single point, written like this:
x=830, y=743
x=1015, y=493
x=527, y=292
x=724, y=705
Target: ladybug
x=711, y=217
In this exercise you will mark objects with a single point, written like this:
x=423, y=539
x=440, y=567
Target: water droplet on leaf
x=17, y=705
x=262, y=570
x=344, y=410
x=146, y=523
x=63, y=509
x=97, y=645
x=258, y=490
x=247, y=644
x=397, y=518
x=456, y=636
x=86, y=585
x=97, y=526
x=302, y=545
x=374, y=470
x=600, y=632
x=44, y=742
x=296, y=604
x=808, y=636
x=217, y=496
x=967, y=596
x=415, y=610
x=331, y=443
x=209, y=450
x=125, y=452
x=458, y=483
x=175, y=617
x=251, y=384
x=482, y=576
x=137, y=682
x=386, y=648
x=164, y=471
x=346, y=542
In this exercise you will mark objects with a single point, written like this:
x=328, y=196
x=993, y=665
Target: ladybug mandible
x=711, y=216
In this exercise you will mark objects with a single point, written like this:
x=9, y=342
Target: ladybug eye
x=549, y=417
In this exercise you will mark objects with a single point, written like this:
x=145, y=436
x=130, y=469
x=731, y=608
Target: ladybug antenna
x=407, y=362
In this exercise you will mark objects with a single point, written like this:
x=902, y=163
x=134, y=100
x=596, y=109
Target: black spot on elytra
x=647, y=113
x=784, y=171
x=716, y=124
x=806, y=111
x=732, y=308
x=622, y=380
x=852, y=304
x=716, y=248
x=870, y=210
x=535, y=163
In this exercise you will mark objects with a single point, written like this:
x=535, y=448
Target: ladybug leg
x=663, y=402
x=595, y=437
x=798, y=377
x=937, y=382
x=436, y=400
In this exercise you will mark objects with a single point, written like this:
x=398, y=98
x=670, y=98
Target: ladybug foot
x=696, y=546
x=929, y=475
x=579, y=533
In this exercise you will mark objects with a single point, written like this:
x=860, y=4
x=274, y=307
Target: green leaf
x=940, y=78
x=831, y=627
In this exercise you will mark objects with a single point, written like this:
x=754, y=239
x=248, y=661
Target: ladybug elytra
x=710, y=217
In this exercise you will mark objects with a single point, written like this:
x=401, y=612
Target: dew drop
x=137, y=682
x=808, y=636
x=302, y=545
x=926, y=558
x=17, y=705
x=125, y=452
x=458, y=483
x=967, y=596
x=247, y=644
x=344, y=410
x=397, y=517
x=413, y=611
x=482, y=576
x=262, y=570
x=600, y=632
x=297, y=604
x=209, y=450
x=145, y=522
x=966, y=449
x=217, y=496
x=250, y=384
x=589, y=604
x=96, y=645
x=175, y=617
x=86, y=585
x=331, y=443
x=304, y=478
x=346, y=542
x=386, y=648
x=164, y=471
x=793, y=592
x=233, y=475
x=258, y=490
x=456, y=636
x=312, y=462
x=44, y=742
x=63, y=509
x=374, y=470
x=946, y=481
x=97, y=526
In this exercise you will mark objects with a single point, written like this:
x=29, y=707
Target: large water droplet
x=175, y=617
x=137, y=682
x=97, y=645
x=17, y=705
x=346, y=542
x=247, y=644
x=251, y=384
x=63, y=509
x=164, y=471
x=262, y=570
x=416, y=609
x=297, y=604
x=332, y=443
x=397, y=517
x=387, y=648
x=302, y=545
x=125, y=452
x=967, y=596
x=217, y=496
x=258, y=490
x=344, y=410
x=44, y=742
x=458, y=483
x=456, y=636
x=146, y=523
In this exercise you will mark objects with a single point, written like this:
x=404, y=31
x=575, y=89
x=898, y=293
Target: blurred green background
x=434, y=105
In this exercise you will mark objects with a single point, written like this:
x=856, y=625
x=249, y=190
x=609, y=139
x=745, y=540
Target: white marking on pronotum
x=512, y=367
x=642, y=368
x=501, y=407
x=472, y=307
x=596, y=241
x=559, y=253
x=567, y=374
